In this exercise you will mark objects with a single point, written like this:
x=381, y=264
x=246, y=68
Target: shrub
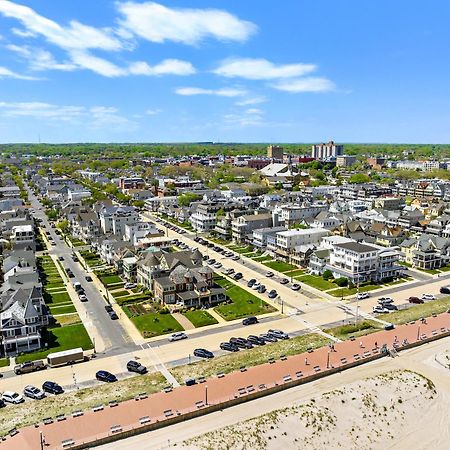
x=341, y=282
x=327, y=274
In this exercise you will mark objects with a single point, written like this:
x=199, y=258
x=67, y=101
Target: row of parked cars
x=260, y=288
x=237, y=343
x=386, y=304
x=50, y=387
x=171, y=226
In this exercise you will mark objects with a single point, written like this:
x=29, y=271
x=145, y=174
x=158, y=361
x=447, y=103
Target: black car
x=272, y=294
x=238, y=276
x=229, y=347
x=70, y=274
x=74, y=259
x=241, y=342
x=108, y=308
x=262, y=289
x=137, y=367
x=203, y=353
x=212, y=261
x=445, y=290
x=251, y=282
x=52, y=388
x=390, y=306
x=256, y=340
x=61, y=258
x=88, y=278
x=2, y=403
x=113, y=315
x=197, y=239
x=250, y=320
x=104, y=375
x=268, y=338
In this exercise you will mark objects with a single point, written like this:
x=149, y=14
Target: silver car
x=33, y=392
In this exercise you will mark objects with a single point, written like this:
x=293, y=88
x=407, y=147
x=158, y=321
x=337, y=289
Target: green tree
x=359, y=178
x=187, y=198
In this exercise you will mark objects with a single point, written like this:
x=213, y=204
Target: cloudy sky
x=224, y=70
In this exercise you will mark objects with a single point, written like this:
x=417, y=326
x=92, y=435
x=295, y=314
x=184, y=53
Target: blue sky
x=224, y=70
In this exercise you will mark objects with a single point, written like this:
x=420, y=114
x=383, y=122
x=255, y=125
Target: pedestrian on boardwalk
x=361, y=344
x=306, y=362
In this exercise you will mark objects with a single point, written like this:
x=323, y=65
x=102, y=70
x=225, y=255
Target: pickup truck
x=29, y=366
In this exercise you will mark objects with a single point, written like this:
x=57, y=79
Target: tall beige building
x=275, y=152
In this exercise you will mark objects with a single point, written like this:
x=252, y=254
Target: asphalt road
x=115, y=337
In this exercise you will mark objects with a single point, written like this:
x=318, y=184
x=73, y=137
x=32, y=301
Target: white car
x=380, y=310
x=428, y=297
x=12, y=397
x=130, y=285
x=384, y=300
x=362, y=295
x=256, y=285
x=177, y=336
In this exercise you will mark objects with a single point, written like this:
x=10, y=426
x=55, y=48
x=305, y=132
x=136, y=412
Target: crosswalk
x=159, y=365
x=293, y=313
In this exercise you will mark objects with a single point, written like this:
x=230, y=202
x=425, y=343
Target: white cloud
x=40, y=59
x=311, y=84
x=75, y=36
x=153, y=112
x=98, y=65
x=251, y=101
x=224, y=92
x=249, y=117
x=94, y=117
x=253, y=111
x=7, y=73
x=166, y=67
x=261, y=69
x=158, y=23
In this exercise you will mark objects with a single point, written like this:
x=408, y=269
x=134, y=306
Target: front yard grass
x=62, y=297
x=339, y=292
x=200, y=318
x=107, y=280
x=4, y=362
x=120, y=293
x=248, y=358
x=316, y=282
x=155, y=324
x=59, y=339
x=417, y=311
x=242, y=304
x=280, y=266
x=62, y=309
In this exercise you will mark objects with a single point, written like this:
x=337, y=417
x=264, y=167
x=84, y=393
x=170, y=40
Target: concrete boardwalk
x=157, y=410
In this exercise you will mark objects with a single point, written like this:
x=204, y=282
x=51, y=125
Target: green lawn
x=132, y=298
x=430, y=271
x=242, y=304
x=417, y=311
x=316, y=282
x=295, y=273
x=63, y=309
x=154, y=324
x=200, y=318
x=4, y=362
x=54, y=285
x=280, y=266
x=107, y=280
x=59, y=339
x=62, y=297
x=120, y=293
x=262, y=258
x=445, y=269
x=243, y=250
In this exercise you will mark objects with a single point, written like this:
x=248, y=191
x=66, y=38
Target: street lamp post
x=328, y=359
x=206, y=394
x=93, y=342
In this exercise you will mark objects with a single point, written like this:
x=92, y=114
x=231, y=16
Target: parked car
x=190, y=381
x=61, y=258
x=235, y=258
x=33, y=392
x=12, y=397
x=177, y=336
x=416, y=300
x=241, y=342
x=108, y=308
x=203, y=353
x=211, y=261
x=428, y=297
x=278, y=334
x=272, y=294
x=256, y=285
x=129, y=285
x=385, y=300
x=83, y=297
x=229, y=347
x=251, y=282
x=250, y=320
x=104, y=375
x=70, y=273
x=113, y=315
x=2, y=403
x=237, y=276
x=284, y=281
x=217, y=265
x=29, y=366
x=269, y=274
x=229, y=271
x=52, y=387
x=362, y=295
x=379, y=309
x=390, y=307
x=295, y=287
x=88, y=278
x=445, y=290
x=262, y=289
x=268, y=337
x=256, y=340
x=137, y=367
x=74, y=258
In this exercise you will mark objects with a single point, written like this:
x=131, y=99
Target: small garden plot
x=120, y=293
